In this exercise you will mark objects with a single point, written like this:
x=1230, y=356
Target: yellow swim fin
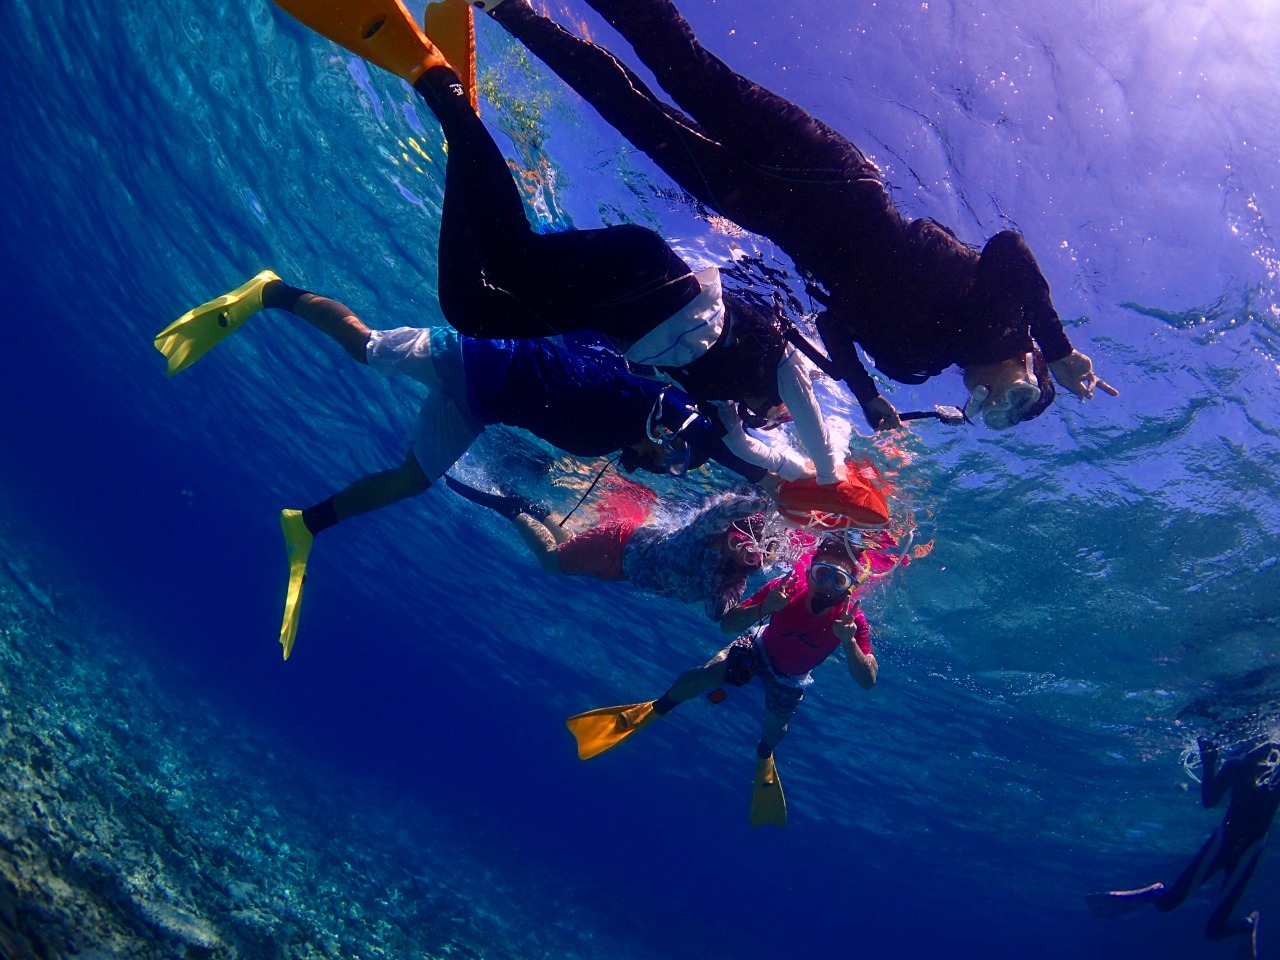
x=297, y=540
x=450, y=25
x=380, y=31
x=768, y=805
x=599, y=730
x=198, y=331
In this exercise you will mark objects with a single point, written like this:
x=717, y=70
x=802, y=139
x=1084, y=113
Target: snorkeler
x=811, y=611
x=911, y=294
x=581, y=405
x=499, y=278
x=706, y=559
x=1253, y=778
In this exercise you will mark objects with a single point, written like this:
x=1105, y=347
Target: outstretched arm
x=855, y=637
x=795, y=388
x=766, y=601
x=1213, y=784
x=783, y=460
x=846, y=365
x=1008, y=264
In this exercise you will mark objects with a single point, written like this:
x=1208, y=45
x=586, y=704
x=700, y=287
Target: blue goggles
x=837, y=578
x=829, y=575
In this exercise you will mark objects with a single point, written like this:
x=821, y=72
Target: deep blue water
x=1094, y=574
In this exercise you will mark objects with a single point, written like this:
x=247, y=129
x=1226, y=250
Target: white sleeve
x=795, y=388
x=780, y=459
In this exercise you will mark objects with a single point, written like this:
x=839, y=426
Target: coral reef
x=135, y=822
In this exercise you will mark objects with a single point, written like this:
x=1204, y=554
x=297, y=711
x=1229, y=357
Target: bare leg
x=1220, y=924
x=1192, y=877
x=335, y=320
x=560, y=534
x=378, y=490
x=338, y=322
x=540, y=540
x=698, y=680
x=300, y=528
x=775, y=728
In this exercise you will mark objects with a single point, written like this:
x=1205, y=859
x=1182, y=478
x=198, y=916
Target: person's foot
x=1249, y=942
x=1116, y=903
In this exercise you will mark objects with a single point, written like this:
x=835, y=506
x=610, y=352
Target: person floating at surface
x=1234, y=848
x=581, y=405
x=910, y=293
x=706, y=559
x=498, y=278
x=811, y=611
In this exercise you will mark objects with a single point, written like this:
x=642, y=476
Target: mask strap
x=655, y=417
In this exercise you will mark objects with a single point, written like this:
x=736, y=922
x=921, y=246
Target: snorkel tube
x=951, y=416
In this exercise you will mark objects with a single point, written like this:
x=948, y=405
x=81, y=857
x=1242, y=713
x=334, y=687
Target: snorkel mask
x=676, y=454
x=831, y=577
x=835, y=578
x=832, y=584
x=676, y=459
x=1014, y=407
x=676, y=445
x=747, y=542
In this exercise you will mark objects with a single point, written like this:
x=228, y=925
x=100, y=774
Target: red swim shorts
x=597, y=552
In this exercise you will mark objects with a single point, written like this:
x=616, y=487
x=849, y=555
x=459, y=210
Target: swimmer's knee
x=413, y=479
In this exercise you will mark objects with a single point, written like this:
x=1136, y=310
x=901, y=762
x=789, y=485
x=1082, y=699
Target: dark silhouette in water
x=1234, y=848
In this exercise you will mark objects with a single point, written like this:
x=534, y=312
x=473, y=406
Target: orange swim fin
x=380, y=31
x=451, y=26
x=599, y=730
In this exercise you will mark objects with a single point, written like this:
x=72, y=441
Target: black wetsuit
x=1254, y=783
x=910, y=293
x=500, y=279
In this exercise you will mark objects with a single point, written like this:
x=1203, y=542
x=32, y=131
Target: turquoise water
x=1101, y=589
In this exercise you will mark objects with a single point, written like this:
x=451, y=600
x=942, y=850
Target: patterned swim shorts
x=745, y=660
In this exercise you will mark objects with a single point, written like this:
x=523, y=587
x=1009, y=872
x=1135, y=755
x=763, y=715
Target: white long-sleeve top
x=690, y=333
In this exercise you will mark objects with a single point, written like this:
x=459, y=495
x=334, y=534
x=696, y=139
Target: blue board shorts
x=444, y=428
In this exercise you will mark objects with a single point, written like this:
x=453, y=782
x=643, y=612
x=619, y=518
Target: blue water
x=1094, y=575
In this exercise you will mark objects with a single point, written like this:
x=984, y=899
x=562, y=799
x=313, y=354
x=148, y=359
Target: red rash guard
x=796, y=640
